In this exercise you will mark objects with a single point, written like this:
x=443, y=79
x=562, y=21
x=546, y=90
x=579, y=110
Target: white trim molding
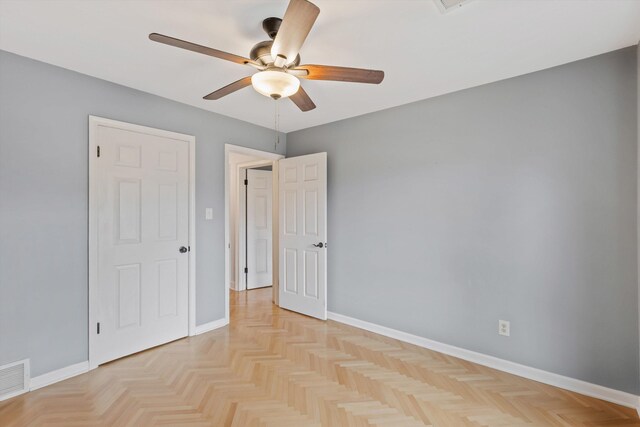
x=58, y=375
x=556, y=380
x=206, y=327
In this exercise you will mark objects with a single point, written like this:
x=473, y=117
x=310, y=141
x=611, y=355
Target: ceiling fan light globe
x=275, y=84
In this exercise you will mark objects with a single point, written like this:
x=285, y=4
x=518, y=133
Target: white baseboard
x=572, y=384
x=58, y=375
x=201, y=329
x=82, y=367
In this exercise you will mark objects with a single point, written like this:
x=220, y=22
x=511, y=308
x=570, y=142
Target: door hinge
x=246, y=270
x=246, y=182
x=98, y=328
x=98, y=151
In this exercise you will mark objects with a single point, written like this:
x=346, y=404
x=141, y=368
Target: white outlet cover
x=504, y=328
x=208, y=213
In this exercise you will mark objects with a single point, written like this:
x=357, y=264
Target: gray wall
x=44, y=208
x=514, y=200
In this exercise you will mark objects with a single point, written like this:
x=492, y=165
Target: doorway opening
x=298, y=228
x=255, y=228
x=251, y=220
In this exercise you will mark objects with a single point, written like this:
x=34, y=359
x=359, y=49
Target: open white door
x=142, y=241
x=303, y=234
x=259, y=238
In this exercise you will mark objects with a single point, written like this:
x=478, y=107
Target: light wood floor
x=271, y=367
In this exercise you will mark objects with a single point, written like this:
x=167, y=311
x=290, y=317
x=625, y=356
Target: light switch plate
x=208, y=213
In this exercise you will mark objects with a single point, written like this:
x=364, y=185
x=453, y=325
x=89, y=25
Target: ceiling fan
x=278, y=60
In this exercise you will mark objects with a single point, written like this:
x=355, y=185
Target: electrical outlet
x=504, y=327
x=208, y=213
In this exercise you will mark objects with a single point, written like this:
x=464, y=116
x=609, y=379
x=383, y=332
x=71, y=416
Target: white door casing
x=259, y=229
x=141, y=295
x=303, y=229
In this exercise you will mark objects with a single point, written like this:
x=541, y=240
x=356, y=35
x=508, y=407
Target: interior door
x=143, y=215
x=259, y=226
x=303, y=234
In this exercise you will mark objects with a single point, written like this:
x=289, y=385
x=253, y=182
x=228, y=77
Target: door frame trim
x=94, y=122
x=265, y=156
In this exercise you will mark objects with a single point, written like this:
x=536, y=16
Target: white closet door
x=303, y=234
x=259, y=234
x=143, y=210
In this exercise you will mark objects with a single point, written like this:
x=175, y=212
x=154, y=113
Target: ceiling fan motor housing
x=261, y=52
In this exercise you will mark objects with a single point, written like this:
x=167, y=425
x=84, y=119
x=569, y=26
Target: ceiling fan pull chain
x=276, y=126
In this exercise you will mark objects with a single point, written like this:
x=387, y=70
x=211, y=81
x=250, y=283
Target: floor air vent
x=14, y=379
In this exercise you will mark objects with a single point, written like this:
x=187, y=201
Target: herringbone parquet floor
x=271, y=367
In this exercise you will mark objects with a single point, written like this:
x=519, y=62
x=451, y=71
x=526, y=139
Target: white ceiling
x=423, y=52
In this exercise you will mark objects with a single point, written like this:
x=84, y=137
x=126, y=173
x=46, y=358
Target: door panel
x=310, y=212
x=167, y=211
x=128, y=155
x=262, y=256
x=290, y=269
x=311, y=274
x=259, y=228
x=303, y=266
x=167, y=271
x=143, y=219
x=128, y=295
x=128, y=210
x=290, y=210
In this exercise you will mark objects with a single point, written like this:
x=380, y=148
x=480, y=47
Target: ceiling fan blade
x=295, y=26
x=230, y=88
x=341, y=74
x=302, y=100
x=171, y=41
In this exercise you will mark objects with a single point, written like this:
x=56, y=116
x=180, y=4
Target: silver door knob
x=183, y=249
